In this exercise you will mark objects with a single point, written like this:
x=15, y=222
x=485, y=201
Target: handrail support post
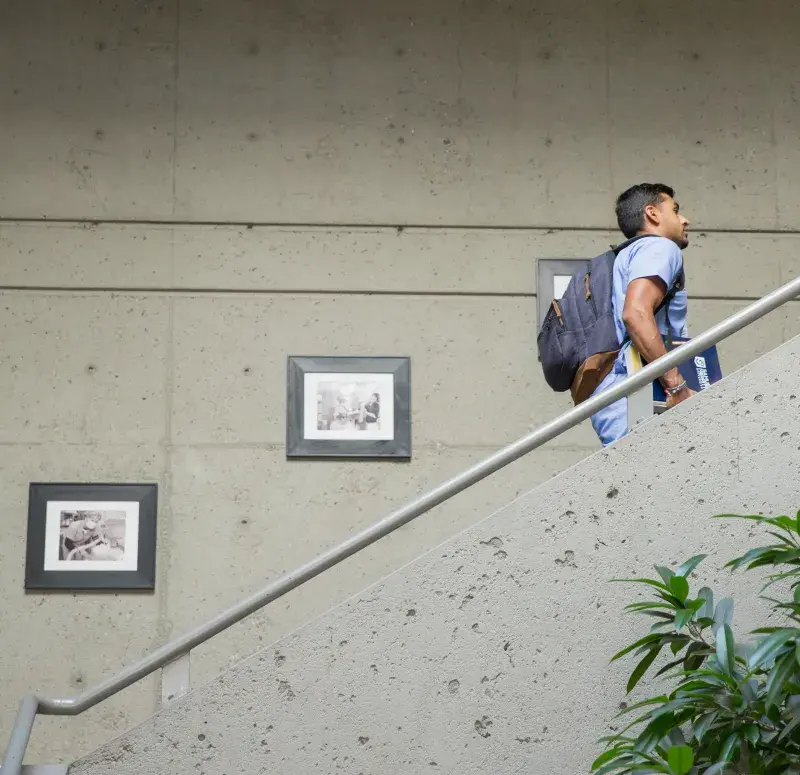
x=175, y=679
x=20, y=735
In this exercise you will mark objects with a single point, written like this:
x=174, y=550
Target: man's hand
x=674, y=399
x=643, y=297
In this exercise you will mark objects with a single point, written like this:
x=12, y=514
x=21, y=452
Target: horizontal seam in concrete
x=161, y=291
x=427, y=446
x=368, y=226
x=278, y=446
x=251, y=291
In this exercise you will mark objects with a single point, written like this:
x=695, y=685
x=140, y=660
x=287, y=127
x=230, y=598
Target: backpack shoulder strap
x=678, y=285
x=619, y=248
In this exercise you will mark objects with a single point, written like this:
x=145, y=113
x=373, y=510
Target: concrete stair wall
x=489, y=654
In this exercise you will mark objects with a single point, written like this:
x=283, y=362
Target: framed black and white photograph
x=91, y=536
x=349, y=407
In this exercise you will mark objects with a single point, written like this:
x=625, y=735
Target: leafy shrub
x=734, y=708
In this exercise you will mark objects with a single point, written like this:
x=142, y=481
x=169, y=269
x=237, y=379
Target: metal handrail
x=72, y=706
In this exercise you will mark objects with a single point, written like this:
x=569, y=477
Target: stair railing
x=180, y=648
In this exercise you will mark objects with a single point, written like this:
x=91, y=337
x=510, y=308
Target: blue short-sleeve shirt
x=650, y=257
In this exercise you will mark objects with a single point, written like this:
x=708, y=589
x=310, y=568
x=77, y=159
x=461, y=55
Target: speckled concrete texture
x=355, y=259
x=70, y=361
x=273, y=527
x=193, y=189
x=422, y=113
x=490, y=653
x=67, y=642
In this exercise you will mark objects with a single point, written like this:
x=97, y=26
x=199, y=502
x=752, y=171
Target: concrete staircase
x=489, y=654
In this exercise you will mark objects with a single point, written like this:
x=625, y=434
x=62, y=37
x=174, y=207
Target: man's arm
x=641, y=300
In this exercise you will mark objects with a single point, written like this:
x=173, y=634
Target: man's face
x=671, y=224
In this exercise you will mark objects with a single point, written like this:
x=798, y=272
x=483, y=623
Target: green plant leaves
x=665, y=573
x=785, y=523
x=726, y=649
x=702, y=725
x=653, y=732
x=678, y=644
x=641, y=669
x=729, y=747
x=652, y=638
x=643, y=704
x=741, y=701
x=682, y=618
x=752, y=734
x=687, y=567
x=726, y=755
x=610, y=754
x=696, y=654
x=679, y=587
x=650, y=582
x=706, y=611
x=779, y=675
x=749, y=690
x=669, y=666
x=753, y=556
x=723, y=613
x=622, y=761
x=680, y=759
x=793, y=722
x=769, y=648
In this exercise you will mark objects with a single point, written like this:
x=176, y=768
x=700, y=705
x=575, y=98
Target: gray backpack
x=578, y=339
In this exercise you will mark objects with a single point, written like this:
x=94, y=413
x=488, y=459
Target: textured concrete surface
x=63, y=643
x=228, y=387
x=356, y=260
x=70, y=362
x=88, y=109
x=217, y=493
x=83, y=255
x=477, y=656
x=424, y=113
x=191, y=189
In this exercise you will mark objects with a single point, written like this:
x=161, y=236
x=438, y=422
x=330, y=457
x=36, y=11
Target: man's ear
x=652, y=214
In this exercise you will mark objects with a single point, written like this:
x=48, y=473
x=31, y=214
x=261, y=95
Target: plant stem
x=696, y=634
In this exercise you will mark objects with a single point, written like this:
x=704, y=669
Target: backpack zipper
x=589, y=296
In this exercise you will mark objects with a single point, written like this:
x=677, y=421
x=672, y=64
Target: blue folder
x=700, y=372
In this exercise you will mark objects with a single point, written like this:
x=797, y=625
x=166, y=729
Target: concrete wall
x=490, y=653
x=192, y=190
x=454, y=112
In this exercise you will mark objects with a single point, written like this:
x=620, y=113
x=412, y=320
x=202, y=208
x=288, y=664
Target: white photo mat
x=129, y=562
x=560, y=283
x=360, y=386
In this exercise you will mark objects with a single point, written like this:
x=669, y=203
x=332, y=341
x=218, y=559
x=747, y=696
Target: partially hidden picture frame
x=552, y=277
x=91, y=536
x=348, y=407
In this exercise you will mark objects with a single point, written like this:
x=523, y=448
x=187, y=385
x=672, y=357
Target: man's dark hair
x=632, y=203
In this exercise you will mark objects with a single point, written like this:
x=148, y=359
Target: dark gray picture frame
x=142, y=577
x=396, y=448
x=547, y=269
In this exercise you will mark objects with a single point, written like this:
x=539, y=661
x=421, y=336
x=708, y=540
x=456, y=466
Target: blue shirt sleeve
x=658, y=257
